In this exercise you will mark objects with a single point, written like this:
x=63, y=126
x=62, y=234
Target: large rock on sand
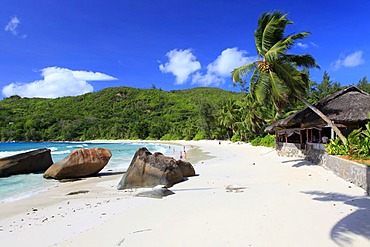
x=149, y=170
x=186, y=168
x=29, y=162
x=80, y=163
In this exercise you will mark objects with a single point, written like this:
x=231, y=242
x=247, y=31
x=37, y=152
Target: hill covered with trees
x=131, y=113
x=117, y=113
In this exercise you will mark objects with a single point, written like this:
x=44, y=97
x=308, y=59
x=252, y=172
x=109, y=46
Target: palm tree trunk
x=325, y=118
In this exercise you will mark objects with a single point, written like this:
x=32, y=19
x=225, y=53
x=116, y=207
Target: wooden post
x=332, y=134
x=286, y=137
x=307, y=140
x=300, y=137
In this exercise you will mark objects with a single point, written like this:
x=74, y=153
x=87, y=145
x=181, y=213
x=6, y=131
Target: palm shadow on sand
x=357, y=222
x=299, y=162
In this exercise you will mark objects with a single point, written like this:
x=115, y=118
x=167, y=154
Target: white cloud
x=12, y=25
x=181, y=64
x=57, y=82
x=207, y=80
x=229, y=59
x=305, y=46
x=301, y=45
x=352, y=60
x=221, y=68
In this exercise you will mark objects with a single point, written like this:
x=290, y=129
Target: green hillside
x=116, y=113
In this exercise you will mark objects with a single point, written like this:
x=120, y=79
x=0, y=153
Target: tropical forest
x=130, y=113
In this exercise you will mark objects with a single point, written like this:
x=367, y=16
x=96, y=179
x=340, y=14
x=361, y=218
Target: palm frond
x=291, y=39
x=277, y=50
x=238, y=73
x=263, y=21
x=279, y=91
x=262, y=87
x=254, y=81
x=271, y=30
x=304, y=61
x=294, y=79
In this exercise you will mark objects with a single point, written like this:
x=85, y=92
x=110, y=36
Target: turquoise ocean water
x=21, y=186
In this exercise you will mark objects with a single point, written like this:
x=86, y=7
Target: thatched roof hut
x=347, y=107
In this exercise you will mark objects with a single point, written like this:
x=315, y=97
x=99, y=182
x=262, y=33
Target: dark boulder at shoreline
x=186, y=168
x=80, y=163
x=29, y=162
x=149, y=170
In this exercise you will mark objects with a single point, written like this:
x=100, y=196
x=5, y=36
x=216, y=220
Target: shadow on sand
x=193, y=189
x=300, y=162
x=357, y=222
x=104, y=174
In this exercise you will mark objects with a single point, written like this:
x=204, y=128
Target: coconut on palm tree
x=276, y=75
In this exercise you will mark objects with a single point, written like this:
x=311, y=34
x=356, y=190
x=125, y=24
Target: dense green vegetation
x=358, y=144
x=246, y=119
x=116, y=113
x=129, y=113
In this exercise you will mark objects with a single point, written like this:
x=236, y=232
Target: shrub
x=256, y=141
x=201, y=135
x=166, y=137
x=236, y=137
x=336, y=147
x=169, y=137
x=266, y=141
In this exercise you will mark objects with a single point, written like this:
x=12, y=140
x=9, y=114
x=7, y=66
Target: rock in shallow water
x=80, y=163
x=29, y=162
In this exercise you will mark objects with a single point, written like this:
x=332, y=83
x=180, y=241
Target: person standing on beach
x=180, y=155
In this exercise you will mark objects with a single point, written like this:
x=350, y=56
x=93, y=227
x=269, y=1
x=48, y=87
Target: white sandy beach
x=283, y=202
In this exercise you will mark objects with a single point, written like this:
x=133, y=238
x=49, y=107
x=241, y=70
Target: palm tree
x=229, y=117
x=277, y=75
x=253, y=116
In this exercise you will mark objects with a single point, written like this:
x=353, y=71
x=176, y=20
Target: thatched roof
x=345, y=107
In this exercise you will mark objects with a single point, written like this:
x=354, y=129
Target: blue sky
x=70, y=47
